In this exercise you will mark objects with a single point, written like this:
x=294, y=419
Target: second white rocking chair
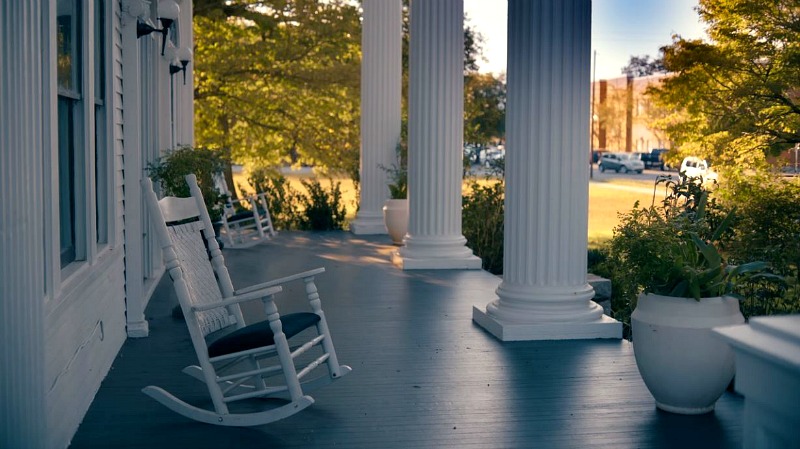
x=235, y=367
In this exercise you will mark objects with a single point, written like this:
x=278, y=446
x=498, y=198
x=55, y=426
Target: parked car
x=694, y=167
x=492, y=155
x=655, y=158
x=621, y=162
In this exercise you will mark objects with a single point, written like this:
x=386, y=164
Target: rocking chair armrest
x=253, y=294
x=283, y=280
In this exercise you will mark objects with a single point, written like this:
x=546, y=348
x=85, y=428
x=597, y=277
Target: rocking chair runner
x=235, y=367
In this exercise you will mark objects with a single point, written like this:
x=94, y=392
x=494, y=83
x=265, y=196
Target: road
x=635, y=182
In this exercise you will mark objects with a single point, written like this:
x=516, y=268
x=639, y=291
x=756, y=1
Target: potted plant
x=395, y=209
x=672, y=253
x=170, y=171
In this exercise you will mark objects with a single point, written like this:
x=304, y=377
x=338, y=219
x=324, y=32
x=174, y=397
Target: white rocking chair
x=245, y=222
x=235, y=366
x=249, y=225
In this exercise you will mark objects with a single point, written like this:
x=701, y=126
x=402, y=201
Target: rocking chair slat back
x=192, y=249
x=199, y=276
x=178, y=209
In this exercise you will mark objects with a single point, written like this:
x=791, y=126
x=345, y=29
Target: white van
x=694, y=167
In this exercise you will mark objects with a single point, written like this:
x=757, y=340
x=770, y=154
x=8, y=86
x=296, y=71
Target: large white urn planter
x=395, y=215
x=685, y=367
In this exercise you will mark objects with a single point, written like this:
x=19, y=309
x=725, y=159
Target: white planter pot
x=685, y=367
x=395, y=215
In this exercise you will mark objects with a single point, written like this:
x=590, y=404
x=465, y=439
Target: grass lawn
x=606, y=200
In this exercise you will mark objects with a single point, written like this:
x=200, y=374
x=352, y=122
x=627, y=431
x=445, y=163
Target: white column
x=435, y=136
x=26, y=96
x=544, y=294
x=135, y=301
x=381, y=46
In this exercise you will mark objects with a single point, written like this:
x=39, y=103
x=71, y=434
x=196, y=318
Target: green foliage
x=484, y=108
x=643, y=66
x=674, y=249
x=767, y=228
x=482, y=222
x=737, y=93
x=322, y=210
x=398, y=171
x=684, y=246
x=171, y=169
x=317, y=210
x=278, y=81
x=283, y=199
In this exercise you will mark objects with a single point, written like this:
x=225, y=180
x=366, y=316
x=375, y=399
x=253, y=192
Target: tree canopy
x=643, y=66
x=738, y=94
x=277, y=81
x=484, y=108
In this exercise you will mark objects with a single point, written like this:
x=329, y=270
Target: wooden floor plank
x=424, y=375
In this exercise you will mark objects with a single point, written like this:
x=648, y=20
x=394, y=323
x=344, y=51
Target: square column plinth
x=605, y=327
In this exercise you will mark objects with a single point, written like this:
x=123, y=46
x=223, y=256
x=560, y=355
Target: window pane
x=99, y=50
x=68, y=45
x=101, y=175
x=66, y=175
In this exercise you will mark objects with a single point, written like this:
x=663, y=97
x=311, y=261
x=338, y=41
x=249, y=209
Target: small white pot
x=395, y=215
x=685, y=367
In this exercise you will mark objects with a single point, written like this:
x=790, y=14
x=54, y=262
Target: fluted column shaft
x=435, y=132
x=381, y=72
x=25, y=99
x=547, y=178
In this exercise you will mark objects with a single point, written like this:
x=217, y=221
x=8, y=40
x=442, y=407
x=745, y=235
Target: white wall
x=62, y=328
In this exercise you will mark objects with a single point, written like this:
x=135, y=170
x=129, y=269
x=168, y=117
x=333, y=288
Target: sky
x=620, y=29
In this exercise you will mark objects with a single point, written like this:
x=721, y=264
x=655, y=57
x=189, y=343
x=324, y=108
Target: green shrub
x=322, y=210
x=767, y=228
x=677, y=249
x=317, y=210
x=482, y=219
x=284, y=201
x=171, y=169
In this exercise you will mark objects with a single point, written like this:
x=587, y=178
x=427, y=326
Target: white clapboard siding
x=85, y=321
x=84, y=332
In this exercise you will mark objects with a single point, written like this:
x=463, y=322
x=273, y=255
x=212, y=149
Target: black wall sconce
x=183, y=56
x=168, y=13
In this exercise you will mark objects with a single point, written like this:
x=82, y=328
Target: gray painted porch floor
x=424, y=375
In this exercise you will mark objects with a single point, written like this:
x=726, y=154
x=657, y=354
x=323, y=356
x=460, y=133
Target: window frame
x=93, y=144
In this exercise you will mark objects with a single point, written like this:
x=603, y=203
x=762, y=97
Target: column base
x=436, y=253
x=368, y=225
x=605, y=327
x=138, y=329
x=436, y=263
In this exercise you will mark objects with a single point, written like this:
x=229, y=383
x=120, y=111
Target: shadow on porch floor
x=423, y=374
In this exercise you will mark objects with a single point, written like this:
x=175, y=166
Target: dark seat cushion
x=259, y=334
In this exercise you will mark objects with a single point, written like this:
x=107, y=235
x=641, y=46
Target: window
x=69, y=76
x=101, y=153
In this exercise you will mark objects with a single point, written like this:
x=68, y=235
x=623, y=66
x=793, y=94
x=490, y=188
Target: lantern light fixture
x=183, y=56
x=168, y=13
